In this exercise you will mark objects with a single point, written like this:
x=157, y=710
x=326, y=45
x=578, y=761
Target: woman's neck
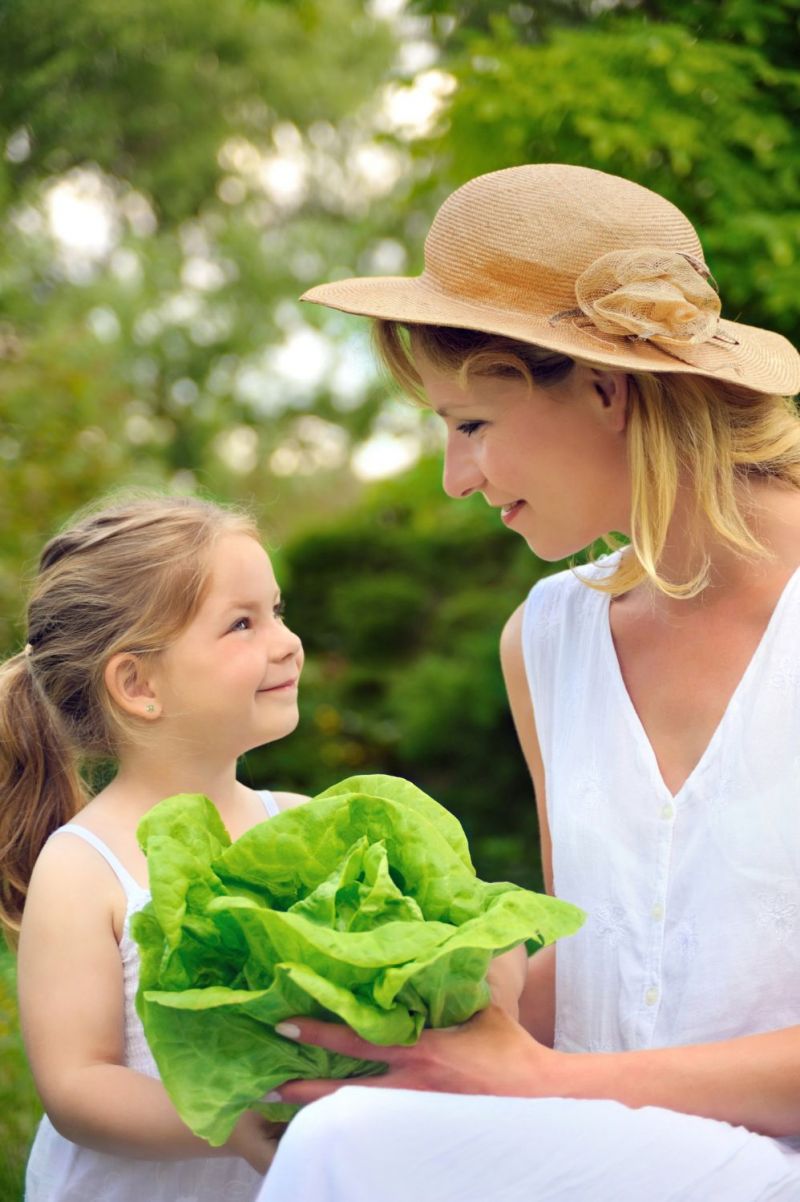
x=771, y=510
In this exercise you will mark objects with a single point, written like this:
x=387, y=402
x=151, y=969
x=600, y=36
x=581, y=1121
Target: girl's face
x=229, y=681
x=552, y=461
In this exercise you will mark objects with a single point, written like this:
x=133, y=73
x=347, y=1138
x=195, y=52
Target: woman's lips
x=509, y=512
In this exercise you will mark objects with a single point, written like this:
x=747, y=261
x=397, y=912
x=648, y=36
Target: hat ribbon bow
x=661, y=296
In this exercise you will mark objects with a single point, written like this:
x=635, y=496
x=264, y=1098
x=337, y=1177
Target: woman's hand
x=255, y=1139
x=490, y=1054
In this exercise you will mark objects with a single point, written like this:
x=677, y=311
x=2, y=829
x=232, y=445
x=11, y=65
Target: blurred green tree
x=699, y=101
x=172, y=178
x=150, y=91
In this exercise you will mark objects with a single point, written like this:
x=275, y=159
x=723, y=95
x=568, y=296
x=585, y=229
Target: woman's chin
x=550, y=551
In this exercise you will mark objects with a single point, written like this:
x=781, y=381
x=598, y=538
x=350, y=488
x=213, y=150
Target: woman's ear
x=130, y=687
x=612, y=388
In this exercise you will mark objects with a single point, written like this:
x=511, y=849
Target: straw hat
x=577, y=261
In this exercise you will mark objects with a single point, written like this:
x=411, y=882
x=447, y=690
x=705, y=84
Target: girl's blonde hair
x=680, y=426
x=126, y=578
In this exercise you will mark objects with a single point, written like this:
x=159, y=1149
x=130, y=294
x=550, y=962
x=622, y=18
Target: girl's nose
x=461, y=476
x=289, y=645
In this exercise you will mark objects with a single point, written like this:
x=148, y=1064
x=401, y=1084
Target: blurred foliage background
x=173, y=176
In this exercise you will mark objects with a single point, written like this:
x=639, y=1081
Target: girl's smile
x=286, y=686
x=234, y=656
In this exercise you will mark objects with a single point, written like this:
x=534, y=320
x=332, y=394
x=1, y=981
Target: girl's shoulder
x=288, y=801
x=72, y=891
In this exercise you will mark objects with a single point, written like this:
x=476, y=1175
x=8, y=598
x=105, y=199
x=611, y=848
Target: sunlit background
x=174, y=175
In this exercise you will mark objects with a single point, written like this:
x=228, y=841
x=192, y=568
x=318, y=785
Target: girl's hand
x=490, y=1054
x=506, y=978
x=255, y=1139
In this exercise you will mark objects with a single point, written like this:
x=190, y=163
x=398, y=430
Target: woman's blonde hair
x=680, y=426
x=125, y=578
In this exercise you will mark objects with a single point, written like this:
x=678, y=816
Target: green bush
x=400, y=605
x=19, y=1106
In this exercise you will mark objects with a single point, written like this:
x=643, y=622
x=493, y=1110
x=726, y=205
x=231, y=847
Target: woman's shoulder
x=577, y=579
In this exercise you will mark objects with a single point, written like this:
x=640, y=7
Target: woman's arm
x=72, y=1012
x=753, y=1081
x=538, y=1001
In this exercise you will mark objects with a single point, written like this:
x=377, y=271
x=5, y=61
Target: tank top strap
x=131, y=887
x=270, y=804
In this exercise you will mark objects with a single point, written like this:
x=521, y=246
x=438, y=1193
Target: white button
x=657, y=911
x=651, y=997
x=667, y=811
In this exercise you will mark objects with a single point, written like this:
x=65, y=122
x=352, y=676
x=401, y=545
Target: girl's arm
x=72, y=1012
x=506, y=976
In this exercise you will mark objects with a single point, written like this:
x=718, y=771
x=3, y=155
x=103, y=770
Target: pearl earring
x=150, y=709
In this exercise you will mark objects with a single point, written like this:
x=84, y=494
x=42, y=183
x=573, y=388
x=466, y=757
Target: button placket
x=652, y=976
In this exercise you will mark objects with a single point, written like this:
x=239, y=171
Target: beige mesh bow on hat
x=577, y=261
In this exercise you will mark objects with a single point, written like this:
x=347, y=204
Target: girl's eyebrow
x=252, y=604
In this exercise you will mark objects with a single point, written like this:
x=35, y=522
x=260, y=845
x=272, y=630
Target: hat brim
x=754, y=358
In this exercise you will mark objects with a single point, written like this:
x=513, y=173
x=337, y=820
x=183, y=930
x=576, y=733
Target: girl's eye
x=279, y=610
x=242, y=624
x=469, y=428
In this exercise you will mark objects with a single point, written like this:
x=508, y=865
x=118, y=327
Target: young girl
x=156, y=640
x=567, y=331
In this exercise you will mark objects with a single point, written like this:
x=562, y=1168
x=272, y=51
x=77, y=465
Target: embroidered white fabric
x=693, y=901
x=61, y=1171
x=692, y=934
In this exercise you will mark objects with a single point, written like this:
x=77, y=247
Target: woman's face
x=552, y=461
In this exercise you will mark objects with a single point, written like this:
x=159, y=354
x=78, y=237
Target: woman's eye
x=469, y=428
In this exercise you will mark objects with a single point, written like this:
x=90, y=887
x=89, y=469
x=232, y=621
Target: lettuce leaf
x=360, y=906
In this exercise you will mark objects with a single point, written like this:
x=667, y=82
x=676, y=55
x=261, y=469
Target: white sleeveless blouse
x=692, y=934
x=61, y=1171
x=693, y=901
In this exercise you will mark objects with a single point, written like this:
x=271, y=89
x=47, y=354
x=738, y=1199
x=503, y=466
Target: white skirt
x=386, y=1145
x=60, y=1171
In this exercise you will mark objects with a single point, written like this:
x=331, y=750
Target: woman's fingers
x=488, y=1054
x=336, y=1038
x=300, y=1093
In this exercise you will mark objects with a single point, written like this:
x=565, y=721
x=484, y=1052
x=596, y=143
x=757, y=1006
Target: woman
x=567, y=330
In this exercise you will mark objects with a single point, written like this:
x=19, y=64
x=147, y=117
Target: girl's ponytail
x=123, y=579
x=40, y=786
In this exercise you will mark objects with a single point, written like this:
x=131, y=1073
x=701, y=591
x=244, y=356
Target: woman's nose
x=461, y=475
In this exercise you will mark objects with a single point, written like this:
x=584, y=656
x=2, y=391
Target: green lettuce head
x=361, y=906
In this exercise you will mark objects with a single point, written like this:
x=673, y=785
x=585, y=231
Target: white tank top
x=61, y=1171
x=693, y=901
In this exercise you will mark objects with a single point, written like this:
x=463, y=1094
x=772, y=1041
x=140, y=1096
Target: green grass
x=19, y=1106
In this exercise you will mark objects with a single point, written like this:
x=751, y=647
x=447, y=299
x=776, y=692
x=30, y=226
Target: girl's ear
x=612, y=388
x=130, y=688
